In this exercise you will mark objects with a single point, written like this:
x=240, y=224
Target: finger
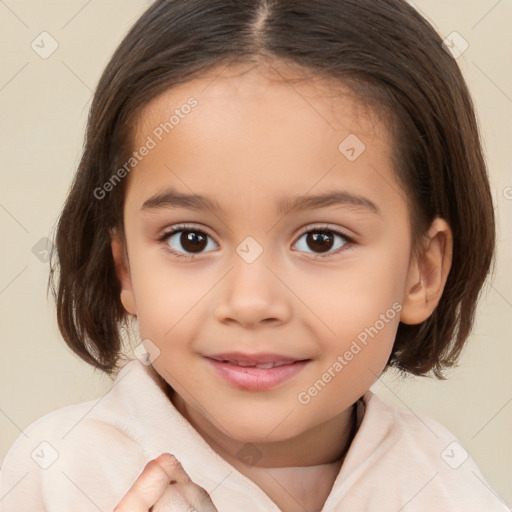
x=149, y=486
x=183, y=494
x=200, y=500
x=172, y=501
x=184, y=498
x=174, y=469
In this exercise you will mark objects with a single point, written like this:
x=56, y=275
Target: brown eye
x=323, y=241
x=192, y=241
x=186, y=242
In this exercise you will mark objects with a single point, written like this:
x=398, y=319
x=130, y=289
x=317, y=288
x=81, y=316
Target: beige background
x=44, y=104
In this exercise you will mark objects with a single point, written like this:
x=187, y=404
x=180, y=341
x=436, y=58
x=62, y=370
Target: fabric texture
x=85, y=457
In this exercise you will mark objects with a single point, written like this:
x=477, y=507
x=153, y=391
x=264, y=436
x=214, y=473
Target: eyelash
x=189, y=227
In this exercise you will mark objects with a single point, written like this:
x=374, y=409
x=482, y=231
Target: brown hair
x=384, y=51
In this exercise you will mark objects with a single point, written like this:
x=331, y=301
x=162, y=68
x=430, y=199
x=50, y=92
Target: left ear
x=428, y=273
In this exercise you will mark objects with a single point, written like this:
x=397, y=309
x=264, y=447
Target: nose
x=252, y=294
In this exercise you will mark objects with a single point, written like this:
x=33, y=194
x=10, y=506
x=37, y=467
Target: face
x=325, y=283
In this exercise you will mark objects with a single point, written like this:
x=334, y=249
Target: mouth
x=257, y=359
x=257, y=372
x=264, y=366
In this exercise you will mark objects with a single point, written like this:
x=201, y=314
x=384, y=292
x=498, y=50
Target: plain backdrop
x=44, y=104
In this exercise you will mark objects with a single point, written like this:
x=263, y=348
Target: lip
x=259, y=358
x=256, y=379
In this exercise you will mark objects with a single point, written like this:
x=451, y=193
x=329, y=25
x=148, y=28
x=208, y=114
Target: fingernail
x=175, y=461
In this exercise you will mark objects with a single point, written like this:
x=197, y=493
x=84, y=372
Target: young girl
x=287, y=198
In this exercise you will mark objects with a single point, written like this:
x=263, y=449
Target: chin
x=250, y=430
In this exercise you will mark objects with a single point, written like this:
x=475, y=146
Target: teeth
x=260, y=366
x=283, y=363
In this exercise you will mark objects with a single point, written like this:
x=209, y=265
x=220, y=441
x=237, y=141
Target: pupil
x=322, y=240
x=190, y=240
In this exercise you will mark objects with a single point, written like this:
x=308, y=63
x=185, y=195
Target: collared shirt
x=85, y=457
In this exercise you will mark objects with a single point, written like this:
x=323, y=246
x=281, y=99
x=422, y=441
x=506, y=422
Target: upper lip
x=260, y=358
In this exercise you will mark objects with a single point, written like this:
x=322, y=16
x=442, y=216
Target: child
x=288, y=198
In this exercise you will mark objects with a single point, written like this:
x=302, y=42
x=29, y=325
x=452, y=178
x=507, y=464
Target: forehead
x=262, y=132
x=237, y=88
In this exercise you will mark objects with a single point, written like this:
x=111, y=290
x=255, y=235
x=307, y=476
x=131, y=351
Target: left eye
x=323, y=240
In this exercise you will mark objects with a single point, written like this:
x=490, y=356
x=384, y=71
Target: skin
x=257, y=135
x=165, y=486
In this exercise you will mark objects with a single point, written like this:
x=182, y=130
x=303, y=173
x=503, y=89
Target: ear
x=428, y=273
x=123, y=271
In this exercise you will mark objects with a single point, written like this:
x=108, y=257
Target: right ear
x=123, y=271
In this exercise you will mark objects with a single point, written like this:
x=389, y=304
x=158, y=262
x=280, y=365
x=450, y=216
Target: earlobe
x=428, y=274
x=123, y=272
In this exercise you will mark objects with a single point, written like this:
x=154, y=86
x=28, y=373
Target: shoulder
x=424, y=455
x=64, y=452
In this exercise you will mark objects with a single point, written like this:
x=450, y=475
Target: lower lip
x=256, y=379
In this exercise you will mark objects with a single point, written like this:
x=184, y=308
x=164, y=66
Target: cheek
x=168, y=299
x=342, y=302
x=364, y=333
x=354, y=351
x=355, y=313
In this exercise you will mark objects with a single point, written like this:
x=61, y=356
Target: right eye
x=192, y=240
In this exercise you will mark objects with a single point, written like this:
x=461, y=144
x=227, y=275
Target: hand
x=164, y=486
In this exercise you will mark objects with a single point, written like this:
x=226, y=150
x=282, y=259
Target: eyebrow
x=171, y=198
x=331, y=198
